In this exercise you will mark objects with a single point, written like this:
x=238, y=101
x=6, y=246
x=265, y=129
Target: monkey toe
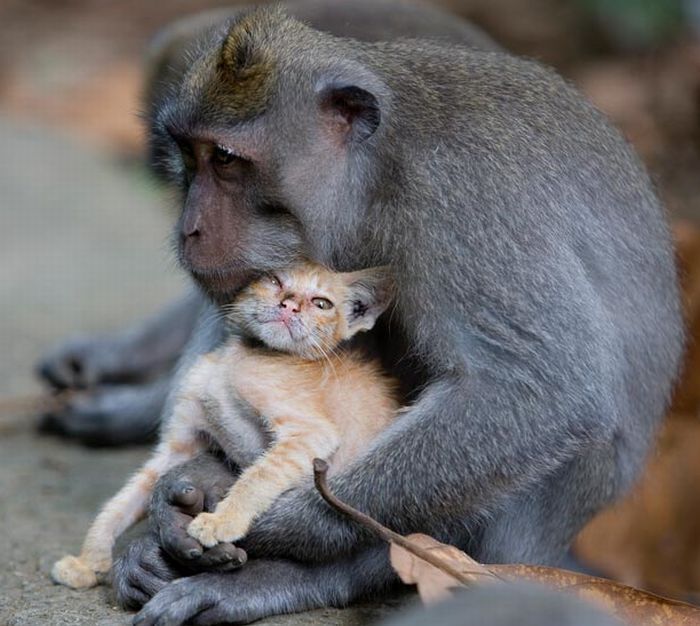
x=73, y=572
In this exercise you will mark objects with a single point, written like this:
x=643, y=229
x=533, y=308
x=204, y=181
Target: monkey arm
x=519, y=439
x=111, y=414
x=134, y=355
x=127, y=376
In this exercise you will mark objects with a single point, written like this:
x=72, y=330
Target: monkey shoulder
x=457, y=92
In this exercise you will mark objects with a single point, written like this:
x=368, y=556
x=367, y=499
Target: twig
x=320, y=475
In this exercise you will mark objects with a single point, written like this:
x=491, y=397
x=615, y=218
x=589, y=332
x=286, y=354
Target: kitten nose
x=290, y=305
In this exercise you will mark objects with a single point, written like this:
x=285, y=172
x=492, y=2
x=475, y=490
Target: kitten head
x=308, y=310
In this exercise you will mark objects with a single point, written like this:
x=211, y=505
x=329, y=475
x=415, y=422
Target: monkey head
x=269, y=132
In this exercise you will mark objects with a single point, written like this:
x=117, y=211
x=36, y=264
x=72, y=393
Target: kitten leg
x=285, y=465
x=129, y=505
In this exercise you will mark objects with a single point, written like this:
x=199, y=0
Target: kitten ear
x=370, y=292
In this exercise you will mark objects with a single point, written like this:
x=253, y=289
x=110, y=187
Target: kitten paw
x=210, y=529
x=72, y=571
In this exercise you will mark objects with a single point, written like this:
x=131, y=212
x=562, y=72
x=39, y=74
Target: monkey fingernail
x=194, y=553
x=241, y=556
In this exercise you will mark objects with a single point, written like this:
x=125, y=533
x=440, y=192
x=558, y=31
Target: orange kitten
x=271, y=408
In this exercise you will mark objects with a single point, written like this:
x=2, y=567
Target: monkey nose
x=191, y=227
x=187, y=234
x=291, y=306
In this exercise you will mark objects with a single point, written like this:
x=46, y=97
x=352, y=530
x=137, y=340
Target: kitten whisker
x=318, y=346
x=315, y=342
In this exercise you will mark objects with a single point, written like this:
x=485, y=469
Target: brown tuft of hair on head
x=247, y=64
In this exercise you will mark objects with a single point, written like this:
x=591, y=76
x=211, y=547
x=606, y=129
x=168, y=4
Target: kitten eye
x=322, y=303
x=274, y=280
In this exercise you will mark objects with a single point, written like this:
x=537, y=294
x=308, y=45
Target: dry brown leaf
x=434, y=584
x=626, y=603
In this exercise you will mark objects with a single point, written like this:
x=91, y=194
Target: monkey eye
x=322, y=303
x=224, y=156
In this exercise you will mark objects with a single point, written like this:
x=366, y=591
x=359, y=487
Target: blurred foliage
x=635, y=24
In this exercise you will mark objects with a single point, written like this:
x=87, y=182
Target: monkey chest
x=235, y=427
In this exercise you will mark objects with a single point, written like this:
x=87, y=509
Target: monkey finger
x=140, y=572
x=213, y=497
x=156, y=570
x=222, y=557
x=143, y=582
x=170, y=523
x=175, y=504
x=132, y=599
x=76, y=364
x=53, y=423
x=218, y=614
x=175, y=604
x=178, y=544
x=107, y=415
x=73, y=421
x=56, y=374
x=185, y=496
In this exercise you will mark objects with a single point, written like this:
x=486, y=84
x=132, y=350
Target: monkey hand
x=143, y=569
x=110, y=414
x=83, y=362
x=213, y=528
x=184, y=493
x=76, y=572
x=239, y=597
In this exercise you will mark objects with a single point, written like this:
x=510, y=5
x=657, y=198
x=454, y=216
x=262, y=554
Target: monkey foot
x=72, y=571
x=210, y=529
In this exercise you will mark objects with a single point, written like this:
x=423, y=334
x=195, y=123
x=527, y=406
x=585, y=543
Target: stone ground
x=83, y=248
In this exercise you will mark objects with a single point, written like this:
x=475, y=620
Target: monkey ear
x=370, y=292
x=352, y=111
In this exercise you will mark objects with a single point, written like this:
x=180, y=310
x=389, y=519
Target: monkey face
x=269, y=151
x=228, y=231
